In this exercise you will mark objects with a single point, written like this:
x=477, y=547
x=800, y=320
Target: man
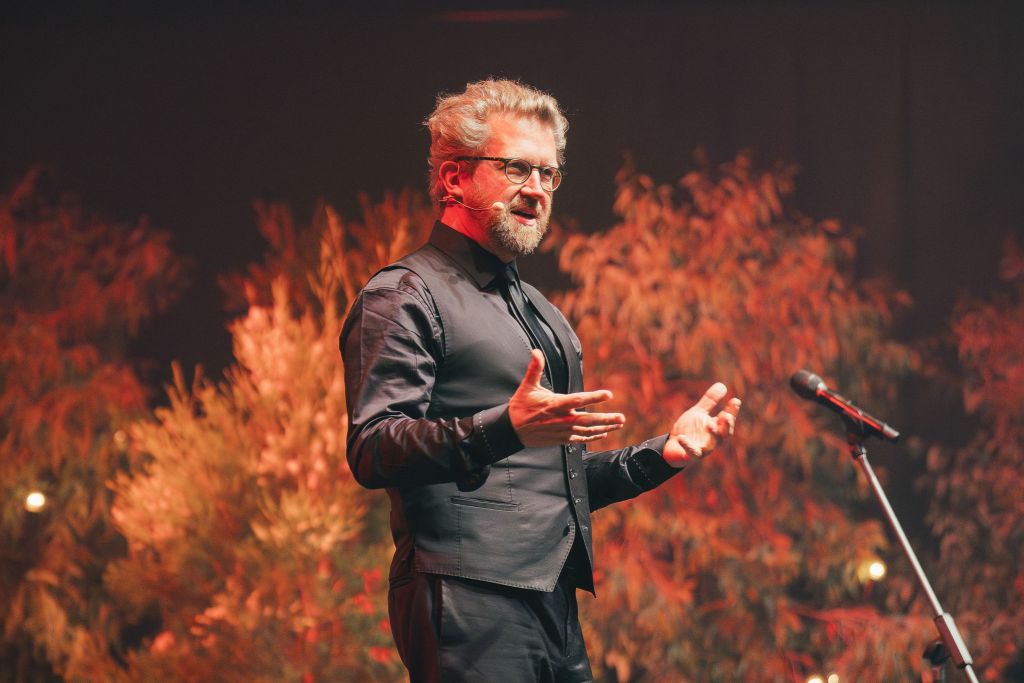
x=466, y=402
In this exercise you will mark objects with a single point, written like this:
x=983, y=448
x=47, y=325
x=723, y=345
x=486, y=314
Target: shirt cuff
x=494, y=436
x=646, y=467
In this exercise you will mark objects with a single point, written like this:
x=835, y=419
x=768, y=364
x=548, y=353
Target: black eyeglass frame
x=557, y=174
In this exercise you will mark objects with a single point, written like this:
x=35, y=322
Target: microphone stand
x=948, y=631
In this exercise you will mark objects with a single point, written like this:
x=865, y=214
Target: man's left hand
x=696, y=432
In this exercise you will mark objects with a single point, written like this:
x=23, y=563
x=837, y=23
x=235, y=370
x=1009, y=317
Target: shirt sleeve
x=391, y=346
x=617, y=475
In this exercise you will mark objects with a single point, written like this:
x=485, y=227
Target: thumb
x=534, y=370
x=715, y=393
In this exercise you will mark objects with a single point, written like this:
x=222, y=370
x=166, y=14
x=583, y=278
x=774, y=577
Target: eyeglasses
x=519, y=171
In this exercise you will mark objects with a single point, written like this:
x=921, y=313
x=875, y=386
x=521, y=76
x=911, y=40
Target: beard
x=513, y=237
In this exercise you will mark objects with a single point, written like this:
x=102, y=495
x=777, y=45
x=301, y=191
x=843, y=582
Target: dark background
x=906, y=119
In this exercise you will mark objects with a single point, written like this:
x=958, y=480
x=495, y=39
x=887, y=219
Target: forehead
x=521, y=137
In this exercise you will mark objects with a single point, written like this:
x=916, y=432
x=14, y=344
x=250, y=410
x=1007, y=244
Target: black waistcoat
x=518, y=527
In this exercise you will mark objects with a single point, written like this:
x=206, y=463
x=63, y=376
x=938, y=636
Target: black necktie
x=555, y=362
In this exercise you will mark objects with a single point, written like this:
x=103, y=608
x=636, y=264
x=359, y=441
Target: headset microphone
x=496, y=206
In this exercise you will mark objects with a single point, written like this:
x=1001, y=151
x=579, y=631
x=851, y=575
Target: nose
x=532, y=185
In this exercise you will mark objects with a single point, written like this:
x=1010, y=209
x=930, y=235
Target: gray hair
x=458, y=124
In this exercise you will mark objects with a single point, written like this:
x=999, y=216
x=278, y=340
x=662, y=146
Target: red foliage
x=249, y=473
x=73, y=289
x=743, y=567
x=977, y=509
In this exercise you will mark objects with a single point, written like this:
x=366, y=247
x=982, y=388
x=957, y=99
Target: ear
x=451, y=178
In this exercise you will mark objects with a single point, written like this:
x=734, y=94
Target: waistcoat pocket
x=482, y=503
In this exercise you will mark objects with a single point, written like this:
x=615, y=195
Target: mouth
x=524, y=215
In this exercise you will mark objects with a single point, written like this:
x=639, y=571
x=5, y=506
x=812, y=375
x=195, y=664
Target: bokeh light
x=35, y=501
x=870, y=570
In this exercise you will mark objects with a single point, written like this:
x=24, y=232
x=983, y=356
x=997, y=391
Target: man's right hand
x=543, y=418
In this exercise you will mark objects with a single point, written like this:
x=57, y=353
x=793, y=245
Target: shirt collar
x=484, y=267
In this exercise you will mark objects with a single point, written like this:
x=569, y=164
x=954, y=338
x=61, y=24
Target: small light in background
x=121, y=440
x=833, y=678
x=815, y=679
x=35, y=501
x=872, y=569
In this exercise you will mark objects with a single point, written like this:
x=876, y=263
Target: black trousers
x=452, y=630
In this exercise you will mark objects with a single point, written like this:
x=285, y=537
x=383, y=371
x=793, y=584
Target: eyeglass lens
x=519, y=170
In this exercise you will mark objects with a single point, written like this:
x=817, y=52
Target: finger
x=725, y=423
x=586, y=439
x=596, y=419
x=597, y=429
x=535, y=370
x=732, y=407
x=697, y=449
x=584, y=399
x=715, y=393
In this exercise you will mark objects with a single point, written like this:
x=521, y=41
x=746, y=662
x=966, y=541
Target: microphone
x=813, y=388
x=496, y=206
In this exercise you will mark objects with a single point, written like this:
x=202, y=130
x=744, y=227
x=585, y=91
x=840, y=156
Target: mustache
x=532, y=205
